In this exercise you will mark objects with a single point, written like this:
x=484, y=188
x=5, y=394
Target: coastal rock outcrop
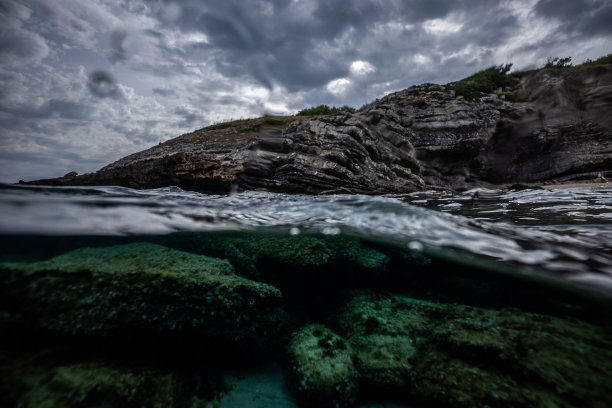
x=422, y=137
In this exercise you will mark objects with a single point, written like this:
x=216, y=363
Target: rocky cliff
x=423, y=137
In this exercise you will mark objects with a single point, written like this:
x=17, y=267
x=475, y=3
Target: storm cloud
x=85, y=82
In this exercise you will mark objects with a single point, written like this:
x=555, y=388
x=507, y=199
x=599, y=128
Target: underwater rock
x=295, y=262
x=321, y=371
x=385, y=339
x=143, y=291
x=464, y=356
x=291, y=251
x=99, y=385
x=71, y=374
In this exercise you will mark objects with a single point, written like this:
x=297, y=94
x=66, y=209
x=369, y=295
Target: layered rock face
x=421, y=137
x=562, y=132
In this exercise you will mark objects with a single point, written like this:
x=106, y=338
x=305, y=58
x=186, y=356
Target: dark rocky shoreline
x=420, y=138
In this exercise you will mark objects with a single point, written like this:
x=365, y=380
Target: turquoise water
x=173, y=298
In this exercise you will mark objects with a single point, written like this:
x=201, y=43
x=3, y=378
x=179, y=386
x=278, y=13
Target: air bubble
x=415, y=246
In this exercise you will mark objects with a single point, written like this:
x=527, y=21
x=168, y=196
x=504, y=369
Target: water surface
x=566, y=234
x=167, y=297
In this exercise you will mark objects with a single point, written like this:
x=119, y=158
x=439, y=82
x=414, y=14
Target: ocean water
x=169, y=297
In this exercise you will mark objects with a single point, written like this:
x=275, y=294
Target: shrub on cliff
x=557, y=63
x=484, y=82
x=324, y=110
x=606, y=59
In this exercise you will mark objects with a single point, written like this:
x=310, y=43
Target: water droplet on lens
x=330, y=231
x=294, y=231
x=415, y=246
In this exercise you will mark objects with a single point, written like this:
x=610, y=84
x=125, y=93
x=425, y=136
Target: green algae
x=62, y=375
x=463, y=356
x=385, y=340
x=321, y=370
x=308, y=258
x=83, y=385
x=248, y=251
x=141, y=288
x=302, y=251
x=139, y=257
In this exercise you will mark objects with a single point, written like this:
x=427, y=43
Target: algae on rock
x=89, y=385
x=321, y=371
x=385, y=339
x=463, y=356
x=303, y=260
x=71, y=375
x=142, y=289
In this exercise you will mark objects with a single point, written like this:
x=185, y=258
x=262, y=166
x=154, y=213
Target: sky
x=86, y=82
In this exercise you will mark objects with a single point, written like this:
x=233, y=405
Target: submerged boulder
x=386, y=339
x=321, y=372
x=68, y=374
x=99, y=385
x=464, y=356
x=293, y=262
x=141, y=290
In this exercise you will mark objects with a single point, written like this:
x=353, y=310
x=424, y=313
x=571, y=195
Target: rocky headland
x=549, y=125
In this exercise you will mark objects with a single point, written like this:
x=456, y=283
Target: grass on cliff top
x=277, y=122
x=256, y=124
x=606, y=59
x=486, y=82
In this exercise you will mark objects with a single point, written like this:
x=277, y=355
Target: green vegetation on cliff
x=499, y=80
x=324, y=110
x=485, y=82
x=606, y=59
x=254, y=125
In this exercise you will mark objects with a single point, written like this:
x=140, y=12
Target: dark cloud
x=189, y=117
x=166, y=93
x=65, y=109
x=117, y=40
x=18, y=45
x=305, y=44
x=102, y=85
x=585, y=17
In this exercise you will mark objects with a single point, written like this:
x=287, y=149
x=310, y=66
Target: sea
x=536, y=251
